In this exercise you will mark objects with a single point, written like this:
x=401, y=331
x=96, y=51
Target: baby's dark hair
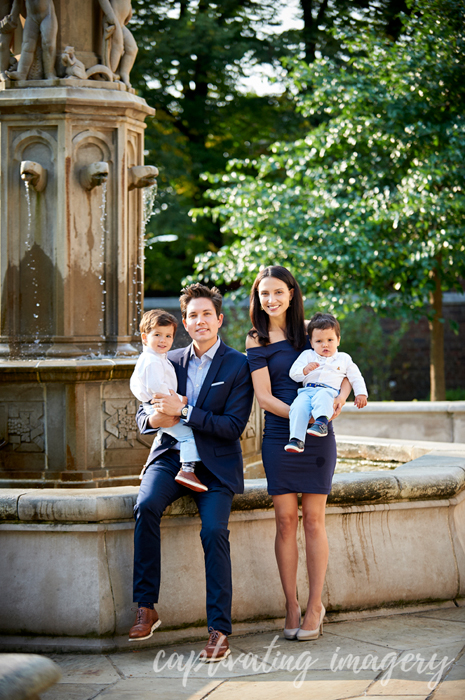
x=322, y=322
x=157, y=317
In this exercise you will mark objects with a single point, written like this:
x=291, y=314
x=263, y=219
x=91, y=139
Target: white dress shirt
x=331, y=371
x=153, y=373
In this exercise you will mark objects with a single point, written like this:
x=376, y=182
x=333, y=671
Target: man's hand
x=337, y=406
x=360, y=401
x=310, y=367
x=168, y=404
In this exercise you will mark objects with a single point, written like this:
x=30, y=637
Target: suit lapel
x=181, y=371
x=211, y=374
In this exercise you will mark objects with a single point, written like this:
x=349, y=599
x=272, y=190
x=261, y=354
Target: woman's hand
x=338, y=403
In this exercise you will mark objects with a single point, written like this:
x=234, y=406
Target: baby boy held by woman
x=321, y=371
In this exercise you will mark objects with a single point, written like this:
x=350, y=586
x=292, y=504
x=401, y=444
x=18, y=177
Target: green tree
x=191, y=62
x=368, y=209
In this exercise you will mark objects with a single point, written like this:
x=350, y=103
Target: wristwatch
x=184, y=411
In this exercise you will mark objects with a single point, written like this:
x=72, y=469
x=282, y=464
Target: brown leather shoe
x=190, y=480
x=216, y=649
x=146, y=622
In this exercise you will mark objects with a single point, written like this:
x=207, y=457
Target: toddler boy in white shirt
x=154, y=373
x=321, y=370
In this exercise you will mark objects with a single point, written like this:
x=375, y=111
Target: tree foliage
x=192, y=59
x=370, y=203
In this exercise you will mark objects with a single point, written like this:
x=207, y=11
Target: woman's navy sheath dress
x=310, y=471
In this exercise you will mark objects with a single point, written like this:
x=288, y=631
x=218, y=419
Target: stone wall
x=66, y=579
x=438, y=421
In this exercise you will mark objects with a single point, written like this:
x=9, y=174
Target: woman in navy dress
x=277, y=338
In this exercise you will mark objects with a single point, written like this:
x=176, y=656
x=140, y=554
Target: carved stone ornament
x=142, y=176
x=119, y=48
x=25, y=428
x=76, y=70
x=120, y=426
x=34, y=174
x=39, y=37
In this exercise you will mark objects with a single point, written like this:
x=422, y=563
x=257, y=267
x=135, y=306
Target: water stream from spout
x=148, y=202
x=148, y=205
x=102, y=280
x=29, y=243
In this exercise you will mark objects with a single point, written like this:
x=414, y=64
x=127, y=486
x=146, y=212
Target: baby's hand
x=360, y=401
x=310, y=367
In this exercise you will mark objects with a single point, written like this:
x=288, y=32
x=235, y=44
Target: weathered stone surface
x=9, y=503
x=391, y=449
x=24, y=676
x=76, y=505
x=374, y=487
x=435, y=460
x=429, y=482
x=438, y=421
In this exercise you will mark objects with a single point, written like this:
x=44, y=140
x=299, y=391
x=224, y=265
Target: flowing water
x=29, y=244
x=103, y=236
x=148, y=203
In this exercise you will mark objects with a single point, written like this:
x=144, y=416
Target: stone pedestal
x=71, y=423
x=71, y=258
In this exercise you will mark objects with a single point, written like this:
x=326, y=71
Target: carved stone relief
x=120, y=425
x=24, y=427
x=39, y=37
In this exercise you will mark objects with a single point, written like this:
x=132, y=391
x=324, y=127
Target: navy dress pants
x=157, y=490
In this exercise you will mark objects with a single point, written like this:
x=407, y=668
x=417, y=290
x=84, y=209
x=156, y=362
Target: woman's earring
x=261, y=307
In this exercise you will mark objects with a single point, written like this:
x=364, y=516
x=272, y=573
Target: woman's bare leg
x=287, y=518
x=316, y=546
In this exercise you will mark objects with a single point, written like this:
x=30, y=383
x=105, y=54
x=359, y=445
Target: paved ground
x=414, y=656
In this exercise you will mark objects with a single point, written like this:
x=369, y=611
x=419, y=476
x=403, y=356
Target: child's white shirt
x=331, y=371
x=153, y=373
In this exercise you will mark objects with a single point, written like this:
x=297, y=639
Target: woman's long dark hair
x=295, y=328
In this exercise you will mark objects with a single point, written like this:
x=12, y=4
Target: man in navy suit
x=215, y=381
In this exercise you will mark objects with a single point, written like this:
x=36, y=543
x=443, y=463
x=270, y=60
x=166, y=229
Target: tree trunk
x=436, y=325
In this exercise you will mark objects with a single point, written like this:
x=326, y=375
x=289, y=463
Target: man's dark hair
x=322, y=322
x=200, y=291
x=157, y=317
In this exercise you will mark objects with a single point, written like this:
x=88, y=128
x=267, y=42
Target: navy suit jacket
x=219, y=417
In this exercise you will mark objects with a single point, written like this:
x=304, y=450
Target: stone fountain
x=72, y=179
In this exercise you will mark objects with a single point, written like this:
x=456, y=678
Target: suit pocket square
x=217, y=383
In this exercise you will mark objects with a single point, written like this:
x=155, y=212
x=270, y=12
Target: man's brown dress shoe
x=146, y=622
x=216, y=649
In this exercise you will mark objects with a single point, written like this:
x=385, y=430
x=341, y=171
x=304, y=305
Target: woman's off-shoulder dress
x=310, y=471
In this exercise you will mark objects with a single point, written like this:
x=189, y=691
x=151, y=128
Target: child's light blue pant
x=310, y=401
x=183, y=434
x=187, y=447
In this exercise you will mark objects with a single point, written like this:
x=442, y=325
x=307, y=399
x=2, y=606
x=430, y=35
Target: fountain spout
x=142, y=176
x=93, y=175
x=33, y=174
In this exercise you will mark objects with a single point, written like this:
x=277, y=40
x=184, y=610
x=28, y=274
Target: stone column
x=71, y=263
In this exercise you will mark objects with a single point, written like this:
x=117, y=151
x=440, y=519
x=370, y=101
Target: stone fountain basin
x=397, y=538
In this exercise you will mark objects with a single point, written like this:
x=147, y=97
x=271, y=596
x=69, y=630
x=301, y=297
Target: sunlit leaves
x=368, y=201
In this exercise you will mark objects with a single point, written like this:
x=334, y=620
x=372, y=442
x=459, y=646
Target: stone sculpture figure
x=41, y=22
x=119, y=47
x=7, y=25
x=75, y=69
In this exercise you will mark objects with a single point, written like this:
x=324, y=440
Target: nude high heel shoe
x=305, y=635
x=291, y=633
